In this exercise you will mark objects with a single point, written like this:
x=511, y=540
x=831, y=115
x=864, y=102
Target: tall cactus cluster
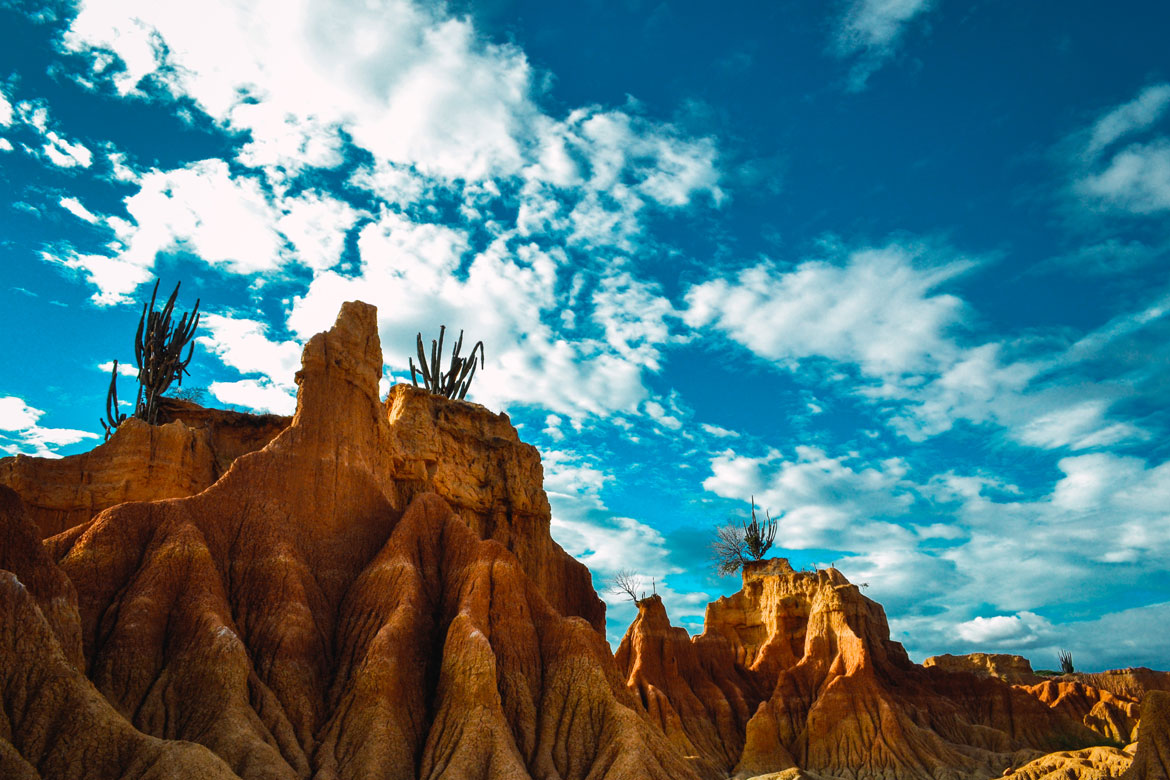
x=158, y=350
x=457, y=379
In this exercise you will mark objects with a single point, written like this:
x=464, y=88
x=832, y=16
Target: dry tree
x=158, y=350
x=453, y=383
x=735, y=545
x=628, y=582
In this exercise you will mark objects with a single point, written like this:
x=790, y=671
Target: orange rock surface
x=1133, y=683
x=140, y=462
x=836, y=697
x=1113, y=717
x=1152, y=759
x=316, y=614
x=1095, y=763
x=1011, y=668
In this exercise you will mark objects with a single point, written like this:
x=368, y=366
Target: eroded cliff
x=836, y=697
x=342, y=603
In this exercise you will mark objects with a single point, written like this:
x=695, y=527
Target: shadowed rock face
x=140, y=462
x=319, y=612
x=826, y=690
x=1152, y=759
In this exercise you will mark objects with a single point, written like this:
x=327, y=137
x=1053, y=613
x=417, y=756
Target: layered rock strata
x=826, y=689
x=316, y=614
x=1113, y=717
x=190, y=450
x=1151, y=761
x=1014, y=669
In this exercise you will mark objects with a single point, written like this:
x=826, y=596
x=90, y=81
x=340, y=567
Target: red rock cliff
x=351, y=601
x=835, y=695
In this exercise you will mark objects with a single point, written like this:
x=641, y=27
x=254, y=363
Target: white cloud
x=819, y=501
x=5, y=145
x=1138, y=114
x=871, y=30
x=1077, y=427
x=1024, y=629
x=256, y=394
x=877, y=309
x=21, y=433
x=16, y=415
x=6, y=111
x=243, y=344
x=75, y=207
x=125, y=368
x=1136, y=177
x=66, y=154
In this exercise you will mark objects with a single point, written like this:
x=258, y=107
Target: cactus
x=114, y=418
x=158, y=350
x=455, y=382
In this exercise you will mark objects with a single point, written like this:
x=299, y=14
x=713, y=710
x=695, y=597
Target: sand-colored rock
x=837, y=697
x=1152, y=758
x=1014, y=669
x=297, y=620
x=53, y=722
x=140, y=462
x=474, y=459
x=1113, y=717
x=1095, y=763
x=694, y=691
x=1133, y=683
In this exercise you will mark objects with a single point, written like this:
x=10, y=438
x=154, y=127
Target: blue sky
x=897, y=268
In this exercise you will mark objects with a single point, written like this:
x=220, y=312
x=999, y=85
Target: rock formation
x=1014, y=669
x=140, y=462
x=835, y=696
x=372, y=594
x=1113, y=717
x=1152, y=759
x=1095, y=763
x=1133, y=683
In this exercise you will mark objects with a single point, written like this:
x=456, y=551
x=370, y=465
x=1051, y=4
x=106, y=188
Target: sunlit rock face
x=797, y=672
x=374, y=593
x=187, y=453
x=1010, y=668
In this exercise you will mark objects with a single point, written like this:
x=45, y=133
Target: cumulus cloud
x=876, y=308
x=21, y=432
x=820, y=501
x=608, y=543
x=244, y=344
x=77, y=209
x=870, y=30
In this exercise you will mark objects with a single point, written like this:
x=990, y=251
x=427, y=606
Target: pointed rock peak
x=340, y=371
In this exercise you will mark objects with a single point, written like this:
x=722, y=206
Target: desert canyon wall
x=370, y=590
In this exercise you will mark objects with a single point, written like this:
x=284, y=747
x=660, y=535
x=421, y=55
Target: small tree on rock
x=628, y=582
x=735, y=545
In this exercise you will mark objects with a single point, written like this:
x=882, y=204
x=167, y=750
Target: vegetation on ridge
x=158, y=352
x=453, y=383
x=736, y=545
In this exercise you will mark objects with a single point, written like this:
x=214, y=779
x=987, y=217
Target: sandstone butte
x=370, y=590
x=796, y=675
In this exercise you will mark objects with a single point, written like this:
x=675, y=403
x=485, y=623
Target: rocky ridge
x=184, y=455
x=808, y=658
x=323, y=610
